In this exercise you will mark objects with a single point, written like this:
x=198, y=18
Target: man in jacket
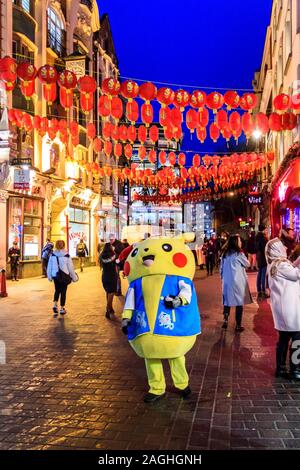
x=117, y=246
x=14, y=254
x=261, y=240
x=81, y=252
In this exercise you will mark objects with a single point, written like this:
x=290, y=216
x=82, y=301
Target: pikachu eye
x=167, y=247
x=134, y=253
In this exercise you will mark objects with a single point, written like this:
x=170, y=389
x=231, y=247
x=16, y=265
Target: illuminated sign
x=282, y=190
x=22, y=179
x=76, y=66
x=255, y=199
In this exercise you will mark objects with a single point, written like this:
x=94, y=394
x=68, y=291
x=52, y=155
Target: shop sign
x=22, y=179
x=255, y=199
x=107, y=203
x=3, y=195
x=76, y=66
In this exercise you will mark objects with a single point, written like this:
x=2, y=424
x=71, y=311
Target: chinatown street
x=75, y=383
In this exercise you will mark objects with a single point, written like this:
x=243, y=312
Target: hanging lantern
x=153, y=134
x=129, y=89
x=142, y=134
x=235, y=121
x=131, y=133
x=114, y=132
x=295, y=102
x=87, y=86
x=289, y=121
x=196, y=160
x=181, y=159
x=48, y=76
x=27, y=74
x=147, y=114
x=148, y=91
x=67, y=79
x=165, y=96
x=118, y=150
x=282, y=102
x=132, y=111
x=165, y=116
x=231, y=99
x=201, y=134
x=262, y=123
x=142, y=152
x=172, y=158
x=214, y=101
x=8, y=72
x=128, y=151
x=152, y=156
x=97, y=145
x=111, y=86
x=75, y=140
x=44, y=125
x=116, y=108
x=86, y=102
x=247, y=124
x=91, y=130
x=104, y=106
x=181, y=99
x=162, y=157
x=108, y=148
x=192, y=119
x=248, y=102
x=123, y=133
x=28, y=88
x=275, y=122
x=198, y=99
x=221, y=119
x=106, y=130
x=66, y=97
x=176, y=117
x=214, y=132
x=74, y=128
x=270, y=157
x=215, y=160
x=203, y=117
x=206, y=160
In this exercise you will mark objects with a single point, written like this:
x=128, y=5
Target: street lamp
x=257, y=134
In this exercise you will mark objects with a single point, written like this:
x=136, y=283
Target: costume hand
x=125, y=323
x=172, y=301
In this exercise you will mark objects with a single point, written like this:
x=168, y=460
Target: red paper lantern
x=165, y=96
x=142, y=152
x=168, y=133
x=91, y=130
x=214, y=132
x=115, y=132
x=221, y=119
x=196, y=160
x=97, y=145
x=295, y=102
x=86, y=102
x=152, y=156
x=235, y=121
x=48, y=74
x=111, y=86
x=104, y=106
x=215, y=160
x=201, y=134
x=142, y=134
x=87, y=86
x=66, y=97
x=131, y=133
x=129, y=89
x=206, y=160
x=123, y=133
x=203, y=117
x=75, y=140
x=67, y=79
x=181, y=159
x=8, y=70
x=108, y=148
x=116, y=108
x=176, y=117
x=270, y=157
x=231, y=99
x=147, y=114
x=289, y=121
x=148, y=91
x=214, y=101
x=198, y=99
x=162, y=157
x=28, y=88
x=275, y=122
x=165, y=116
x=128, y=152
x=172, y=158
x=118, y=150
x=247, y=124
x=181, y=99
x=192, y=119
x=282, y=102
x=262, y=123
x=248, y=101
x=153, y=134
x=132, y=111
x=74, y=128
x=106, y=130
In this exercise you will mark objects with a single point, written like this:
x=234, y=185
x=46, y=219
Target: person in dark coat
x=210, y=253
x=118, y=248
x=109, y=276
x=82, y=251
x=251, y=250
x=261, y=240
x=14, y=254
x=46, y=253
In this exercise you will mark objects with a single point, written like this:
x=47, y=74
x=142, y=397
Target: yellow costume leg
x=156, y=378
x=178, y=371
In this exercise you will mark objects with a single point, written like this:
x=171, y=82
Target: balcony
x=88, y=3
x=57, y=44
x=23, y=23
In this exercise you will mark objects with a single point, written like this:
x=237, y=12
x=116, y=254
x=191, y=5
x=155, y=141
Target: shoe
x=107, y=314
x=62, y=311
x=186, y=392
x=151, y=397
x=239, y=329
x=55, y=311
x=225, y=324
x=17, y=280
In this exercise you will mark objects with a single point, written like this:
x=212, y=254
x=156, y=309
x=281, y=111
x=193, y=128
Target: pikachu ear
x=187, y=237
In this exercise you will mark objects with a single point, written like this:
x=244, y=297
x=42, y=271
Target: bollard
x=3, y=292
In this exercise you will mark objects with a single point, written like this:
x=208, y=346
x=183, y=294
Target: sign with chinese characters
x=107, y=203
x=255, y=199
x=21, y=179
x=76, y=66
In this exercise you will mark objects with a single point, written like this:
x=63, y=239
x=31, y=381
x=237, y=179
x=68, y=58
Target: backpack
x=61, y=276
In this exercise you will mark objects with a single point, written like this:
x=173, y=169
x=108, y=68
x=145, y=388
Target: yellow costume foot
x=151, y=397
x=186, y=393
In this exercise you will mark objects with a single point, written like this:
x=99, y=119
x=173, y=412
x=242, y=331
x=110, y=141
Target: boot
x=281, y=369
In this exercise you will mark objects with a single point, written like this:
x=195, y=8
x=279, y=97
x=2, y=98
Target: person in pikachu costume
x=161, y=316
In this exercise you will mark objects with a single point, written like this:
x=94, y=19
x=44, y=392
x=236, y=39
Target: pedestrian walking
x=209, y=250
x=284, y=286
x=236, y=292
x=261, y=240
x=117, y=245
x=251, y=250
x=14, y=255
x=110, y=276
x=46, y=253
x=82, y=251
x=61, y=271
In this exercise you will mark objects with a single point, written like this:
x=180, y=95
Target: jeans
x=238, y=314
x=210, y=264
x=14, y=270
x=60, y=291
x=261, y=279
x=286, y=339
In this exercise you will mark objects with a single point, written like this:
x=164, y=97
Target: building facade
x=59, y=199
x=280, y=73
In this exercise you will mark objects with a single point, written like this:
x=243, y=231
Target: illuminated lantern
x=282, y=102
x=108, y=147
x=177, y=134
x=214, y=132
x=147, y=91
x=231, y=99
x=44, y=125
x=221, y=119
x=168, y=133
x=181, y=159
x=152, y=156
x=28, y=89
x=248, y=101
x=289, y=121
x=114, y=132
x=111, y=86
x=27, y=122
x=63, y=137
x=12, y=117
x=176, y=117
x=206, y=160
x=129, y=89
x=91, y=130
x=295, y=102
x=214, y=101
x=262, y=123
x=27, y=73
x=54, y=125
x=162, y=157
x=192, y=119
x=123, y=133
x=142, y=152
x=75, y=140
x=181, y=99
x=66, y=97
x=147, y=114
x=97, y=145
x=74, y=128
x=106, y=130
x=165, y=96
x=236, y=134
x=131, y=133
x=104, y=107
x=8, y=72
x=203, y=117
x=48, y=76
x=275, y=122
x=128, y=151
x=165, y=116
x=108, y=171
x=153, y=134
x=132, y=111
x=270, y=157
x=87, y=86
x=172, y=158
x=201, y=134
x=198, y=99
x=67, y=79
x=196, y=160
x=235, y=121
x=116, y=108
x=142, y=134
x=215, y=160
x=247, y=124
x=118, y=150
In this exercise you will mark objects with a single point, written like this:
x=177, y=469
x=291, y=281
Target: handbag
x=62, y=277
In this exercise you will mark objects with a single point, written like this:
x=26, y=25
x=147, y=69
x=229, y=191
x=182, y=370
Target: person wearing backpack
x=46, y=253
x=61, y=271
x=81, y=251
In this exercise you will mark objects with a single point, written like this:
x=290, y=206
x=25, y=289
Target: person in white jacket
x=284, y=283
x=60, y=261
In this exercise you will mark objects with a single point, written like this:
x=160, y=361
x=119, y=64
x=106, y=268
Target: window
x=288, y=32
x=280, y=65
x=55, y=31
x=21, y=52
x=79, y=227
x=26, y=5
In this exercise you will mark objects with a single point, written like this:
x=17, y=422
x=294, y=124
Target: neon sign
x=282, y=190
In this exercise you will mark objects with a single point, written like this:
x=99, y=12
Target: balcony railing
x=57, y=45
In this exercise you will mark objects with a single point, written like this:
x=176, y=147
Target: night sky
x=215, y=44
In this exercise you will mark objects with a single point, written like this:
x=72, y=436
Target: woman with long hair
x=235, y=287
x=109, y=276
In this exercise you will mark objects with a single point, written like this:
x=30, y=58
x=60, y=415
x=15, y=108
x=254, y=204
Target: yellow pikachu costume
x=161, y=316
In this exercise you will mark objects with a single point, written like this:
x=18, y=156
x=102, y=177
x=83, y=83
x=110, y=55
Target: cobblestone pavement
x=75, y=382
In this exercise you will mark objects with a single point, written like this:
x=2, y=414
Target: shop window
x=15, y=222
x=79, y=227
x=25, y=4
